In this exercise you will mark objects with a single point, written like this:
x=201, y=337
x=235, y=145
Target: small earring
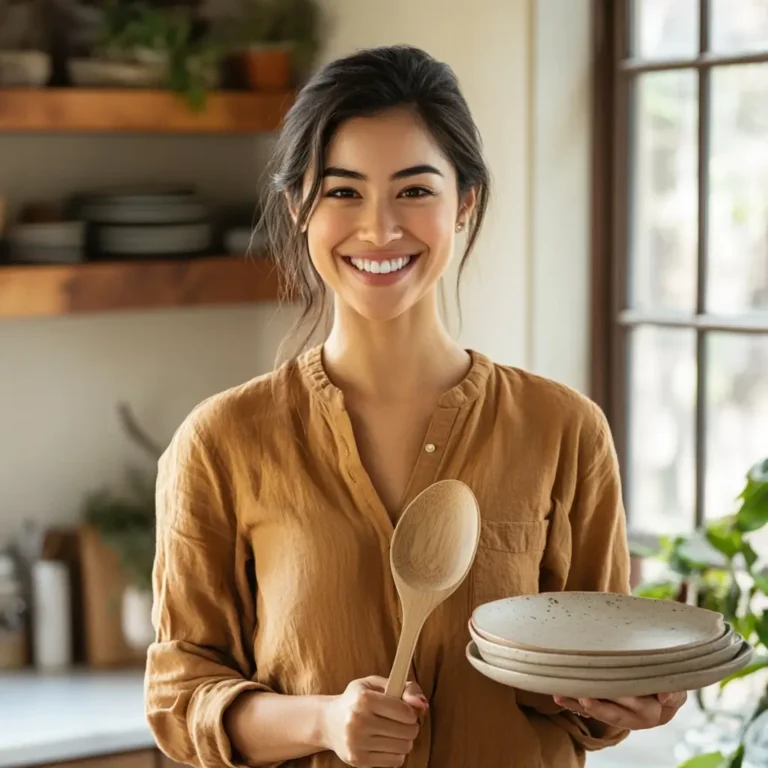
x=459, y=226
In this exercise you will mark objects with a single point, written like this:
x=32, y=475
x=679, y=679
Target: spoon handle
x=409, y=636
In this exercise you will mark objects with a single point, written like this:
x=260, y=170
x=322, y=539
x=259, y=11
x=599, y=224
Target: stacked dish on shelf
x=602, y=645
x=146, y=222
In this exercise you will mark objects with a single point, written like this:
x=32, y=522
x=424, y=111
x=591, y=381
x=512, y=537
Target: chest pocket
x=508, y=559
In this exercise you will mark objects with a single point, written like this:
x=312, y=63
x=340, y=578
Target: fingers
x=572, y=705
x=414, y=696
x=670, y=704
x=400, y=710
x=636, y=714
x=384, y=760
x=374, y=683
x=390, y=746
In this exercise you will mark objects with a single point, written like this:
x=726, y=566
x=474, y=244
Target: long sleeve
x=587, y=550
x=204, y=607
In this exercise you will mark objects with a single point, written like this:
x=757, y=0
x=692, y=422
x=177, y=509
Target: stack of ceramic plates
x=147, y=222
x=602, y=645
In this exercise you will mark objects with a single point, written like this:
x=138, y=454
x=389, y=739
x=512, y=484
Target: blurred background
x=625, y=254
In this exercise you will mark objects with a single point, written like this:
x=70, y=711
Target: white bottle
x=52, y=615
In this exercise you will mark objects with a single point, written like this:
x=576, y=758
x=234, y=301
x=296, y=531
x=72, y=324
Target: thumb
x=373, y=683
x=414, y=696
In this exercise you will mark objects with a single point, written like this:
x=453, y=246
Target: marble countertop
x=49, y=718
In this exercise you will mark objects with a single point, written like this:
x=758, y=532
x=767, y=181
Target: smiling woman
x=276, y=610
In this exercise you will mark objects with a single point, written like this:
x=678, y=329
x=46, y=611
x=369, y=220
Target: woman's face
x=382, y=231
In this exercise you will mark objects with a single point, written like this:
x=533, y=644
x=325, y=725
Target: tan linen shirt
x=272, y=568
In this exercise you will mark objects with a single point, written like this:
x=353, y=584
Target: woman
x=277, y=618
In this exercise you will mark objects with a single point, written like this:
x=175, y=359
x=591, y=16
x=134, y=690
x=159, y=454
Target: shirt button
x=430, y=448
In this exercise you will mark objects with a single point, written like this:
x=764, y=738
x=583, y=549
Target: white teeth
x=381, y=267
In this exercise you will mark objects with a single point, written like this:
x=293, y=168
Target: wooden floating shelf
x=81, y=110
x=47, y=290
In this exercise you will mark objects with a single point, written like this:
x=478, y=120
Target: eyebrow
x=414, y=170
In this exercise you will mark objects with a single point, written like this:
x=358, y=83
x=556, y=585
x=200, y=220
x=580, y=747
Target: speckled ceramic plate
x=610, y=689
x=596, y=624
x=603, y=662
x=636, y=672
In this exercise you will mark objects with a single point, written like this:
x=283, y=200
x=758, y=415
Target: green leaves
x=725, y=537
x=736, y=760
x=710, y=760
x=717, y=760
x=126, y=524
x=761, y=580
x=746, y=672
x=761, y=628
x=753, y=514
x=658, y=590
x=732, y=598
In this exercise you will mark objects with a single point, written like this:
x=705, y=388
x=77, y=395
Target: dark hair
x=360, y=85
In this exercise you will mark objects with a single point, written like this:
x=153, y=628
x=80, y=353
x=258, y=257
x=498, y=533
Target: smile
x=381, y=266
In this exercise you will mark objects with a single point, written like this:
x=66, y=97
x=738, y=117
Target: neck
x=409, y=356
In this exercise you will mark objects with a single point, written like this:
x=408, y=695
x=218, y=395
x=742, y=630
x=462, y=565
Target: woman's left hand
x=636, y=713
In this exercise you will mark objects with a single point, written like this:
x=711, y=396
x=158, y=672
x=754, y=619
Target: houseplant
x=278, y=40
x=718, y=568
x=125, y=522
x=141, y=46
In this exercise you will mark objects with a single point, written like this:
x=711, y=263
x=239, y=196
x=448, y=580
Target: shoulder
x=239, y=414
x=549, y=402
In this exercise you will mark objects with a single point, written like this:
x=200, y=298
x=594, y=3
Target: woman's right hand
x=368, y=729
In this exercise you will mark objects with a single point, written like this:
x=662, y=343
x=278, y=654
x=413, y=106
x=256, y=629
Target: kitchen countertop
x=48, y=718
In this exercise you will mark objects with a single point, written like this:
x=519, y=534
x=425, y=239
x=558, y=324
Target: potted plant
x=126, y=523
x=718, y=568
x=278, y=40
x=140, y=46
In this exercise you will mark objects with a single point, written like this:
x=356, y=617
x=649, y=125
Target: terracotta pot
x=268, y=68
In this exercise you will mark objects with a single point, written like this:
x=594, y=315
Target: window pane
x=739, y=26
x=664, y=204
x=665, y=29
x=738, y=173
x=737, y=415
x=662, y=401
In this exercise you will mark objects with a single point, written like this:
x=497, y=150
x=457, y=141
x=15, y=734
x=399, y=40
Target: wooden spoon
x=432, y=550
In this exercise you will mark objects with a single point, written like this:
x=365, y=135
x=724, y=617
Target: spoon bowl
x=433, y=548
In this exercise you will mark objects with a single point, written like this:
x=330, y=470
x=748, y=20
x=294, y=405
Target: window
x=681, y=250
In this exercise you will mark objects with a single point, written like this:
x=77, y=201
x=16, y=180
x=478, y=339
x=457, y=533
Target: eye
x=342, y=193
x=417, y=192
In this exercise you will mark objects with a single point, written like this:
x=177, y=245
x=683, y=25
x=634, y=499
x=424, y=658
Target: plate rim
x=498, y=640
x=605, y=689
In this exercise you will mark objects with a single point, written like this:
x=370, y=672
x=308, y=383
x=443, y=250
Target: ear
x=466, y=208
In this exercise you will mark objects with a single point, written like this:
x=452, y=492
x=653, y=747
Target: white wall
x=524, y=68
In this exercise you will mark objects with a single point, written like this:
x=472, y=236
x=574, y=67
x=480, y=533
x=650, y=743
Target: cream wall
x=524, y=68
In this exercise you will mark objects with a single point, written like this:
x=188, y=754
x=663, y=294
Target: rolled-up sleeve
x=204, y=606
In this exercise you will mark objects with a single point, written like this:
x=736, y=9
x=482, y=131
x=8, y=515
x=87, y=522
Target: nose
x=378, y=224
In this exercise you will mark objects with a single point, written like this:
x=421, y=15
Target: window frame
x=615, y=70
